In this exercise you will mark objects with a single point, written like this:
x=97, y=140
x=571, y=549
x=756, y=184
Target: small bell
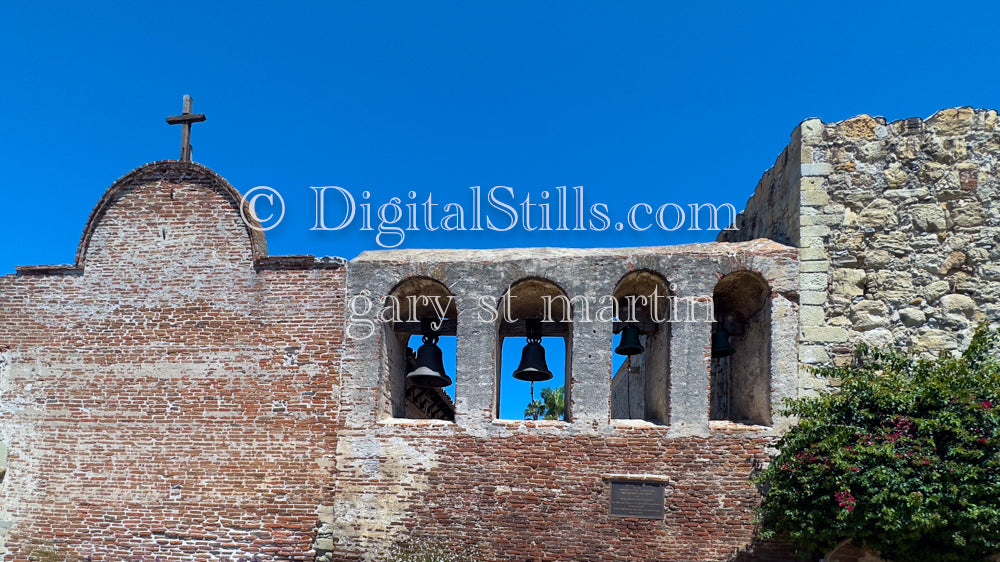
x=533, y=367
x=720, y=344
x=629, y=344
x=429, y=371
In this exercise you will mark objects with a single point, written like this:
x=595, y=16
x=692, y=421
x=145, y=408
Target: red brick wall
x=546, y=497
x=151, y=406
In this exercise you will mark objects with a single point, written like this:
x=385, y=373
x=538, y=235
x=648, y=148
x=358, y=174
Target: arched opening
x=640, y=380
x=534, y=335
x=420, y=354
x=741, y=350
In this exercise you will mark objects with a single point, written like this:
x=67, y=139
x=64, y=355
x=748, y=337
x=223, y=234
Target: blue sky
x=636, y=102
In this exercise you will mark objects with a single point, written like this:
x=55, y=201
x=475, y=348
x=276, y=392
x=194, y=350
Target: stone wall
x=899, y=231
x=540, y=490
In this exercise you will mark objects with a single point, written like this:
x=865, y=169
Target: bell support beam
x=519, y=328
x=449, y=327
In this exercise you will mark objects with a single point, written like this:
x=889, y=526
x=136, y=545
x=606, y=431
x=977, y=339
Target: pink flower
x=987, y=404
x=845, y=500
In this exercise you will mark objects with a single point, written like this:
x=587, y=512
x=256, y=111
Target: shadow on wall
x=760, y=550
x=741, y=349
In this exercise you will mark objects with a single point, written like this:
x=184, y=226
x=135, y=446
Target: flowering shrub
x=904, y=458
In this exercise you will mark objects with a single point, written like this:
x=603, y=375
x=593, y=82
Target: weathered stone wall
x=899, y=231
x=174, y=394
x=508, y=489
x=773, y=210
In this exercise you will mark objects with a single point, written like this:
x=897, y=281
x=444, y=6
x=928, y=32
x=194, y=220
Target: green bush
x=904, y=458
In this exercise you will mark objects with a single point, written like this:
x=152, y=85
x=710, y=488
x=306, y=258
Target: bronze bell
x=429, y=369
x=629, y=344
x=533, y=367
x=720, y=344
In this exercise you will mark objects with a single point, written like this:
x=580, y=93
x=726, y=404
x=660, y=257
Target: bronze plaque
x=637, y=499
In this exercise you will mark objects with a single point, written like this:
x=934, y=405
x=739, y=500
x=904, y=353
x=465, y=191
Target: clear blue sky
x=637, y=102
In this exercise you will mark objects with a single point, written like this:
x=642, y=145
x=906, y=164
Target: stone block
x=810, y=253
x=951, y=121
x=930, y=340
x=814, y=266
x=816, y=169
x=813, y=297
x=811, y=128
x=911, y=317
x=931, y=172
x=817, y=231
x=936, y=290
x=958, y=304
x=813, y=282
x=894, y=242
x=928, y=218
x=849, y=282
x=879, y=214
x=966, y=213
x=813, y=183
x=954, y=261
x=876, y=259
x=813, y=354
x=868, y=315
x=893, y=286
x=878, y=338
x=819, y=220
x=895, y=176
x=824, y=334
x=814, y=197
x=811, y=315
x=860, y=127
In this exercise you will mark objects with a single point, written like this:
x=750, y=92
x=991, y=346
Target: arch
x=741, y=381
x=422, y=291
x=407, y=305
x=645, y=282
x=640, y=386
x=525, y=301
x=178, y=172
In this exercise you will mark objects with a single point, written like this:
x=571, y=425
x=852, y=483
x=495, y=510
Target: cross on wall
x=185, y=119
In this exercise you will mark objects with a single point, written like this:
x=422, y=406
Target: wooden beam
x=189, y=118
x=549, y=329
x=449, y=327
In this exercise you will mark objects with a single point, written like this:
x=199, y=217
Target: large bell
x=629, y=344
x=720, y=344
x=533, y=367
x=429, y=369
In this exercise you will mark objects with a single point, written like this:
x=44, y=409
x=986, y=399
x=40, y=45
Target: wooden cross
x=185, y=119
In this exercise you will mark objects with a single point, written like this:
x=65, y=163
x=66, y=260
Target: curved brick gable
x=170, y=200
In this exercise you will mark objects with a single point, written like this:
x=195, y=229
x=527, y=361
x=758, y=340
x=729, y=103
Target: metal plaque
x=637, y=499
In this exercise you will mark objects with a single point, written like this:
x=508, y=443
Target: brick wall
x=164, y=397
